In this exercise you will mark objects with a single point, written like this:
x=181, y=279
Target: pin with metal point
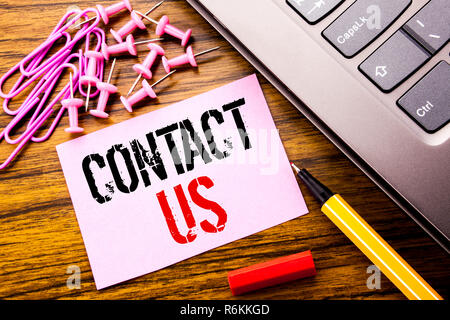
x=146, y=91
x=144, y=69
x=72, y=106
x=188, y=57
x=149, y=40
x=128, y=45
x=130, y=26
x=84, y=22
x=106, y=89
x=154, y=7
x=90, y=78
x=163, y=26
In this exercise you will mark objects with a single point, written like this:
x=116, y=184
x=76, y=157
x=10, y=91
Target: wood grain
x=39, y=234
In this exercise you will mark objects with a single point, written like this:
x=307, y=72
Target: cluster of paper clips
x=39, y=74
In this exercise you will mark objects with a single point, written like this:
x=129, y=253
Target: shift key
x=394, y=61
x=428, y=102
x=362, y=23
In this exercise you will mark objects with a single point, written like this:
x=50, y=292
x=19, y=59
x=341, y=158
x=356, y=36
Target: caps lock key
x=362, y=23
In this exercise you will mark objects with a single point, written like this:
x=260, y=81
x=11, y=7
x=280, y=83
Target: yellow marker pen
x=369, y=241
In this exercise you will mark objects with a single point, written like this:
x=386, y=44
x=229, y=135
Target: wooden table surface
x=40, y=237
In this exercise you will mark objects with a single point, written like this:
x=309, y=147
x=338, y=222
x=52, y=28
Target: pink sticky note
x=143, y=205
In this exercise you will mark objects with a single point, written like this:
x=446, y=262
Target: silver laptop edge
x=408, y=164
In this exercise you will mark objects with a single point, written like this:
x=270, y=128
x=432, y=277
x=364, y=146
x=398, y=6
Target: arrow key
x=394, y=61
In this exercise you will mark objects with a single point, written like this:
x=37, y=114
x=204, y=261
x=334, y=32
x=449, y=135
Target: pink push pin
x=188, y=57
x=146, y=91
x=107, y=12
x=130, y=26
x=90, y=78
x=106, y=89
x=129, y=45
x=163, y=26
x=72, y=106
x=144, y=69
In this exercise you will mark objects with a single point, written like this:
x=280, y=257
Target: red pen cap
x=270, y=273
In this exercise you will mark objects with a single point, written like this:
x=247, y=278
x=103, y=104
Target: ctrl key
x=428, y=102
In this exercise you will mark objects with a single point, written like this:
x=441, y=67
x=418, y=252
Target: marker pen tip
x=295, y=167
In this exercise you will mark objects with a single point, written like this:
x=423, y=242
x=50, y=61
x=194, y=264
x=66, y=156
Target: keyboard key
x=313, y=10
x=361, y=23
x=394, y=61
x=431, y=25
x=428, y=102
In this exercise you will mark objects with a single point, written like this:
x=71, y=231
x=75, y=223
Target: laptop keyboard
x=405, y=52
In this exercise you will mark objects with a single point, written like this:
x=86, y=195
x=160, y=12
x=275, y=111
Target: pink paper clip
x=35, y=71
x=37, y=124
x=31, y=65
x=69, y=46
x=55, y=30
x=63, y=94
x=18, y=87
x=34, y=62
x=7, y=131
x=46, y=89
x=40, y=120
x=46, y=84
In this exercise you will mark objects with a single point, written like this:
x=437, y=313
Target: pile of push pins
x=41, y=77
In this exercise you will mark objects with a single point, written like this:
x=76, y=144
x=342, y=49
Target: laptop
x=372, y=75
